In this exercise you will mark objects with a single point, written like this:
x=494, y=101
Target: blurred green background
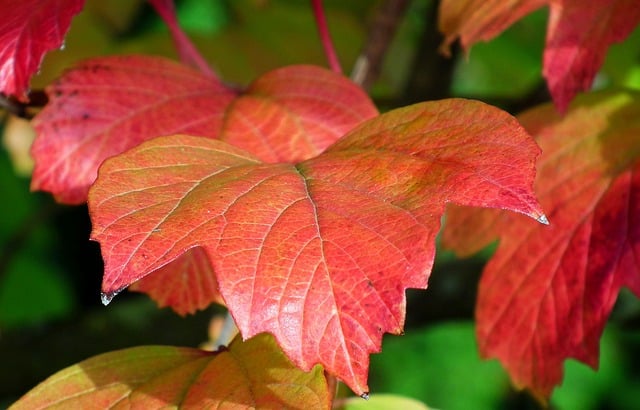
x=50, y=274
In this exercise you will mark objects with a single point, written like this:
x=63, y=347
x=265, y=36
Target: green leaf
x=381, y=402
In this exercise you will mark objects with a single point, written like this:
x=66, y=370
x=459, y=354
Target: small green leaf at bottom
x=380, y=402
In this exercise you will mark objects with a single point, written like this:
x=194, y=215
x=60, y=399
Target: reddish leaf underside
x=28, y=30
x=107, y=105
x=545, y=295
x=187, y=285
x=578, y=35
x=251, y=374
x=320, y=253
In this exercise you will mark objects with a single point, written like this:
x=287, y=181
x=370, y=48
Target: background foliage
x=50, y=311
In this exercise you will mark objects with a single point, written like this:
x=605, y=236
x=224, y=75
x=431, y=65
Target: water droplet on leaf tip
x=365, y=395
x=543, y=219
x=108, y=297
x=62, y=46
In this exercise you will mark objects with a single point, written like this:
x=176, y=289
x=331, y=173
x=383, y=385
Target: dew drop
x=62, y=46
x=108, y=297
x=365, y=395
x=543, y=219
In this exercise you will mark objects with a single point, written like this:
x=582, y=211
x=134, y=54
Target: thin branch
x=36, y=99
x=381, y=32
x=325, y=36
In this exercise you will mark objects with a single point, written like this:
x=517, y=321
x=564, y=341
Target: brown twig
x=381, y=32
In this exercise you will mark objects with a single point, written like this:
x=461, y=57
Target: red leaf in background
x=320, y=253
x=546, y=294
x=28, y=30
x=187, y=285
x=105, y=106
x=578, y=35
x=294, y=113
x=474, y=20
x=251, y=374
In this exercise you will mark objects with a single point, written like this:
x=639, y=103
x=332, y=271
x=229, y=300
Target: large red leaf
x=251, y=374
x=105, y=106
x=28, y=30
x=319, y=253
x=547, y=292
x=578, y=35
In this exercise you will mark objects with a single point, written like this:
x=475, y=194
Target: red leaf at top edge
x=578, y=35
x=547, y=292
x=320, y=253
x=480, y=20
x=28, y=30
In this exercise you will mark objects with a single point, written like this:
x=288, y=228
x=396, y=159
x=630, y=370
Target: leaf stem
x=325, y=36
x=186, y=49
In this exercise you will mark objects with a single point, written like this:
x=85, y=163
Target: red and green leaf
x=251, y=374
x=578, y=35
x=547, y=292
x=28, y=30
x=107, y=105
x=317, y=253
